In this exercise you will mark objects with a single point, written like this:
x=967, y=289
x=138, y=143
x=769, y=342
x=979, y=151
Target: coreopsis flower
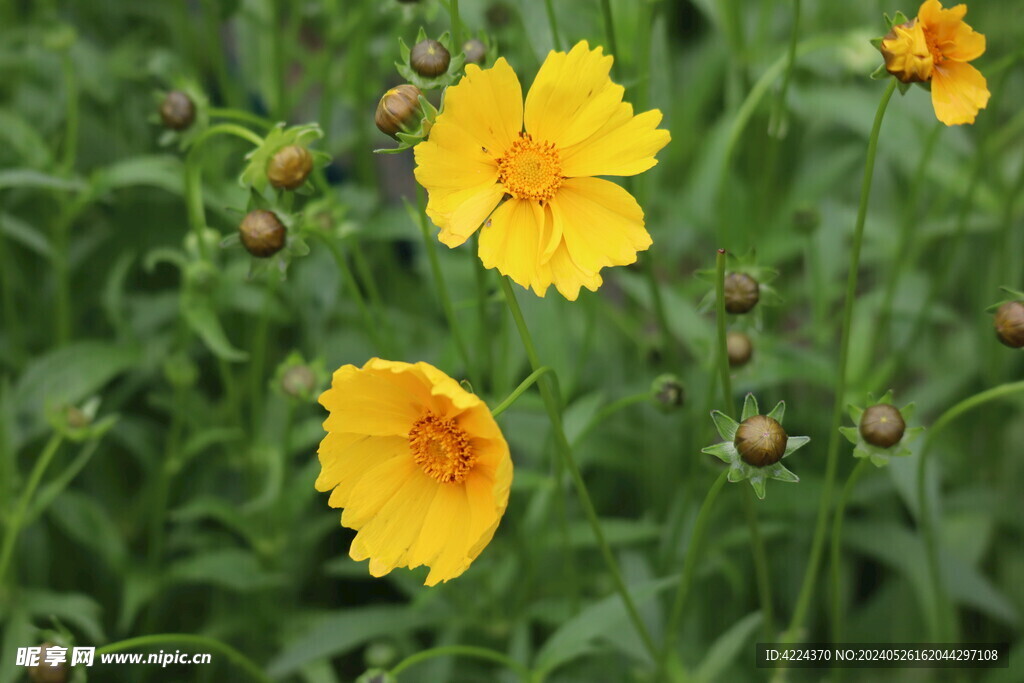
x=526, y=173
x=418, y=463
x=881, y=432
x=935, y=47
x=755, y=446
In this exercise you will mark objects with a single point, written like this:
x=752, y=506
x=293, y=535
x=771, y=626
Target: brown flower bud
x=475, y=51
x=399, y=110
x=44, y=672
x=1009, y=322
x=177, y=111
x=741, y=292
x=262, y=233
x=290, y=167
x=429, y=58
x=740, y=349
x=882, y=425
x=761, y=441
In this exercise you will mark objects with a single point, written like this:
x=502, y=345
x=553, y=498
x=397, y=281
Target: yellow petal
x=568, y=278
x=345, y=458
x=511, y=242
x=572, y=96
x=470, y=211
x=954, y=38
x=487, y=105
x=499, y=489
x=373, y=403
x=449, y=528
x=624, y=146
x=376, y=488
x=450, y=398
x=452, y=159
x=387, y=537
x=448, y=510
x=958, y=92
x=601, y=223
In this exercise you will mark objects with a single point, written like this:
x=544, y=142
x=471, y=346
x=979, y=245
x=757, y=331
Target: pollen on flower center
x=530, y=170
x=441, y=448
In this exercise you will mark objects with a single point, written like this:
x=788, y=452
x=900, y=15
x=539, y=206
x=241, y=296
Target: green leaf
x=231, y=568
x=31, y=178
x=83, y=519
x=74, y=608
x=204, y=322
x=162, y=171
x=616, y=531
x=727, y=648
x=25, y=235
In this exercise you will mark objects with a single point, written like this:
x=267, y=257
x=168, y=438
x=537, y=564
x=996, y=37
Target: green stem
x=551, y=404
x=689, y=567
x=723, y=349
x=165, y=473
x=821, y=527
x=18, y=516
x=370, y=325
x=947, y=620
x=777, y=126
x=233, y=655
x=240, y=116
x=837, y=546
x=609, y=27
x=764, y=581
x=70, y=144
x=556, y=41
x=257, y=359
x=462, y=651
x=520, y=390
x=456, y=25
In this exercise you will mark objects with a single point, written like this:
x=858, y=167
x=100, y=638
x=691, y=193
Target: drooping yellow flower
x=936, y=46
x=526, y=172
x=418, y=463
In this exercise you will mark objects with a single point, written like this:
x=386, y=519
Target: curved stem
x=689, y=566
x=18, y=516
x=926, y=520
x=551, y=404
x=837, y=546
x=818, y=542
x=462, y=651
x=553, y=23
x=520, y=390
x=233, y=655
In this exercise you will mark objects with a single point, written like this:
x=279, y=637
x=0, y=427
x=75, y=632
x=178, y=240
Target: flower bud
x=668, y=392
x=298, y=381
x=399, y=110
x=262, y=233
x=177, y=111
x=882, y=425
x=475, y=51
x=44, y=672
x=741, y=292
x=1009, y=322
x=289, y=167
x=429, y=58
x=76, y=418
x=739, y=348
x=761, y=441
x=906, y=52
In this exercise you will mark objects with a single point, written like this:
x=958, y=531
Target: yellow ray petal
x=470, y=210
x=447, y=511
x=449, y=528
x=487, y=104
x=378, y=402
x=568, y=277
x=387, y=537
x=345, y=458
x=624, y=149
x=511, y=242
x=572, y=96
x=601, y=223
x=452, y=160
x=958, y=92
x=375, y=489
x=954, y=38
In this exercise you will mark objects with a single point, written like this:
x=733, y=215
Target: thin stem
x=372, y=329
x=723, y=349
x=165, y=472
x=456, y=24
x=258, y=356
x=551, y=404
x=462, y=651
x=926, y=520
x=241, y=116
x=837, y=546
x=520, y=390
x=553, y=23
x=764, y=581
x=689, y=566
x=18, y=516
x=233, y=655
x=821, y=527
x=777, y=126
x=70, y=144
x=609, y=27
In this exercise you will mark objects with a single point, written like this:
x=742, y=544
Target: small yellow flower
x=418, y=463
x=526, y=172
x=936, y=46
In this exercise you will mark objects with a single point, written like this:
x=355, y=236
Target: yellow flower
x=417, y=462
x=546, y=218
x=936, y=46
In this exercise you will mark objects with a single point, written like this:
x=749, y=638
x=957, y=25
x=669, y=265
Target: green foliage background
x=195, y=513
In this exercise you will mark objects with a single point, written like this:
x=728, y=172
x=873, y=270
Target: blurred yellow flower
x=936, y=46
x=546, y=219
x=418, y=463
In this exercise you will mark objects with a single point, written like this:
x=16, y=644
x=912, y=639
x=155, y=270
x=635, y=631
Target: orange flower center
x=441, y=448
x=530, y=170
x=933, y=47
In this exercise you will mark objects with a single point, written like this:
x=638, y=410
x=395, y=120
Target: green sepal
x=795, y=442
x=725, y=425
x=750, y=408
x=778, y=412
x=881, y=73
x=255, y=173
x=724, y=451
x=851, y=433
x=757, y=483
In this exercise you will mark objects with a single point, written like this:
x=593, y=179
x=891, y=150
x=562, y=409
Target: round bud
x=475, y=51
x=76, y=418
x=1009, y=324
x=177, y=110
x=298, y=381
x=289, y=167
x=399, y=110
x=741, y=292
x=668, y=392
x=44, y=673
x=761, y=441
x=740, y=349
x=262, y=233
x=882, y=425
x=429, y=58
